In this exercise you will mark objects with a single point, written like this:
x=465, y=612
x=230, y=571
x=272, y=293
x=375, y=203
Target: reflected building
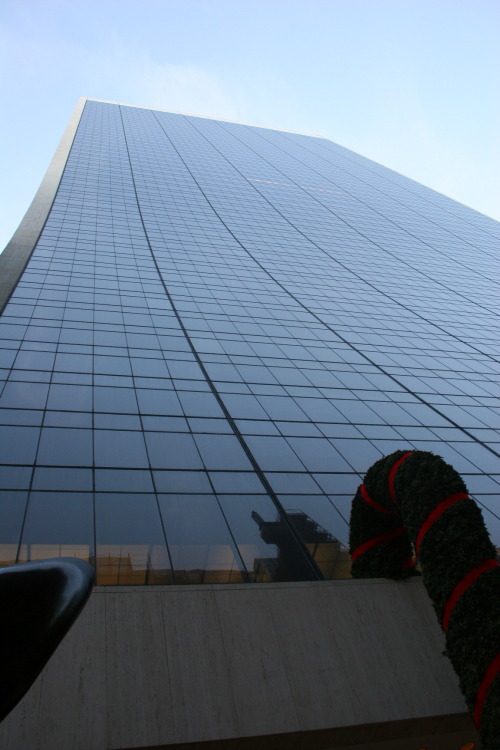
x=330, y=555
x=211, y=330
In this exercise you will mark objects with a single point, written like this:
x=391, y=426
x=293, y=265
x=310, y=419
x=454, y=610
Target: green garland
x=415, y=501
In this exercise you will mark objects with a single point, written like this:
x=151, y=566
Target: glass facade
x=220, y=329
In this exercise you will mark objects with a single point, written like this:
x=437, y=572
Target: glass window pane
x=222, y=452
x=18, y=444
x=62, y=479
x=72, y=397
x=323, y=530
x=130, y=542
x=200, y=404
x=115, y=448
x=172, y=451
x=123, y=480
x=158, y=402
x=266, y=544
x=318, y=455
x=115, y=400
x=24, y=395
x=12, y=509
x=58, y=524
x=65, y=447
x=274, y=454
x=199, y=541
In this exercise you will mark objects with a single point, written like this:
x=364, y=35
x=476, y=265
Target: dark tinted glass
x=58, y=524
x=12, y=509
x=239, y=321
x=130, y=544
x=200, y=544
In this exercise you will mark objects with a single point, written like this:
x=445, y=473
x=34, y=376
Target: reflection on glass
x=57, y=524
x=265, y=324
x=330, y=555
x=132, y=565
x=12, y=506
x=28, y=552
x=130, y=543
x=268, y=548
x=199, y=541
x=321, y=527
x=289, y=564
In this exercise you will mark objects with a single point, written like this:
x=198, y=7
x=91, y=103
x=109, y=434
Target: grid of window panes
x=220, y=329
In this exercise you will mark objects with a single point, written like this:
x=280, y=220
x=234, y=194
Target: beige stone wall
x=345, y=663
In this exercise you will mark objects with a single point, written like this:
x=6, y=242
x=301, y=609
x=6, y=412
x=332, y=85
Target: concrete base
x=442, y=738
x=334, y=664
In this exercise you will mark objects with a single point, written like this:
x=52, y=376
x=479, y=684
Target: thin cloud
x=134, y=76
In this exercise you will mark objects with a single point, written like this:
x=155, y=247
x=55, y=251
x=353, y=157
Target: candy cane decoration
x=412, y=502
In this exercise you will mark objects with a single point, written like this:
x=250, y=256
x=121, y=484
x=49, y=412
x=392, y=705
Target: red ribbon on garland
x=462, y=587
x=377, y=540
x=490, y=681
x=392, y=474
x=435, y=514
x=366, y=497
x=484, y=689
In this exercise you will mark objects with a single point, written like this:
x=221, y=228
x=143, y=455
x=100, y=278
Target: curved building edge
x=18, y=251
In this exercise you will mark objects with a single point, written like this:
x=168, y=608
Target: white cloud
x=51, y=85
x=132, y=76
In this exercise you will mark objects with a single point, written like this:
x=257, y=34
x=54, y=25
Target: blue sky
x=412, y=84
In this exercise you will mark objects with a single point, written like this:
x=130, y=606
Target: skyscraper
x=217, y=330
